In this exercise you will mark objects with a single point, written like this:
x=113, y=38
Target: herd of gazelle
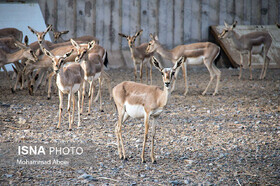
x=87, y=60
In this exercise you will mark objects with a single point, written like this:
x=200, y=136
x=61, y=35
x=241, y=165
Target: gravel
x=228, y=139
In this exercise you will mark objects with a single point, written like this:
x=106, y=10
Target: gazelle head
x=57, y=34
x=168, y=73
x=40, y=35
x=57, y=61
x=153, y=44
x=28, y=53
x=82, y=50
x=227, y=31
x=131, y=39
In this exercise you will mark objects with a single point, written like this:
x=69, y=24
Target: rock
x=87, y=177
x=21, y=121
x=175, y=182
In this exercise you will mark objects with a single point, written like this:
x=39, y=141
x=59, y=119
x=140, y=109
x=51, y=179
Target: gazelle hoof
x=143, y=161
x=12, y=90
x=154, y=162
x=101, y=110
x=70, y=129
x=48, y=98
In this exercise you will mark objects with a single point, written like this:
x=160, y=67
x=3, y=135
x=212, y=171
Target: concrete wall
x=175, y=21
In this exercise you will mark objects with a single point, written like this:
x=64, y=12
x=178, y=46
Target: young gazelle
x=138, y=55
x=142, y=101
x=69, y=80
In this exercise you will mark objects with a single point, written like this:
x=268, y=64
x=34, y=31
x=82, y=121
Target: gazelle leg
x=141, y=71
x=207, y=64
x=147, y=74
x=73, y=111
x=91, y=90
x=100, y=79
x=79, y=106
x=83, y=96
x=152, y=143
x=241, y=66
x=175, y=78
x=146, y=123
x=121, y=113
x=50, y=85
x=250, y=64
x=266, y=67
x=8, y=78
x=60, y=94
x=68, y=109
x=218, y=74
x=185, y=74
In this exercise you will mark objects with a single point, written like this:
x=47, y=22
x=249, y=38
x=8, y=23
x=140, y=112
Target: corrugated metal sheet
x=257, y=60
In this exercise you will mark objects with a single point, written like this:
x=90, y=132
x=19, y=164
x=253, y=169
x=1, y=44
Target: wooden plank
x=264, y=12
x=144, y=22
x=213, y=12
x=61, y=15
x=196, y=20
x=247, y=12
x=273, y=11
x=70, y=22
x=223, y=12
x=107, y=19
x=100, y=21
x=162, y=33
x=80, y=18
x=256, y=12
x=125, y=22
x=230, y=11
x=170, y=25
x=89, y=11
x=187, y=21
x=239, y=11
x=133, y=15
x=115, y=18
x=152, y=16
x=204, y=20
x=178, y=22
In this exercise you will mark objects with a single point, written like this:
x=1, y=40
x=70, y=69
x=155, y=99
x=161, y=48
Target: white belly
x=134, y=111
x=66, y=89
x=195, y=61
x=93, y=78
x=257, y=49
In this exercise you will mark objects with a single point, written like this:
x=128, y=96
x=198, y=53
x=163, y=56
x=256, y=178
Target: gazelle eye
x=161, y=73
x=226, y=30
x=172, y=74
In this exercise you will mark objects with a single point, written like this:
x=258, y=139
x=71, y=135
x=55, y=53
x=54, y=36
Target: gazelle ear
x=225, y=23
x=68, y=54
x=91, y=45
x=156, y=37
x=122, y=35
x=234, y=24
x=156, y=63
x=75, y=44
x=64, y=32
x=32, y=30
x=138, y=33
x=20, y=45
x=179, y=62
x=26, y=40
x=48, y=53
x=152, y=37
x=48, y=28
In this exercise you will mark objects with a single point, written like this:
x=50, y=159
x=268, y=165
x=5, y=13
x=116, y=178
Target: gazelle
x=142, y=101
x=7, y=32
x=69, y=80
x=93, y=65
x=252, y=43
x=138, y=55
x=58, y=37
x=195, y=54
x=23, y=52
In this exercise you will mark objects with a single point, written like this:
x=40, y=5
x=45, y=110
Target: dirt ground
x=228, y=139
